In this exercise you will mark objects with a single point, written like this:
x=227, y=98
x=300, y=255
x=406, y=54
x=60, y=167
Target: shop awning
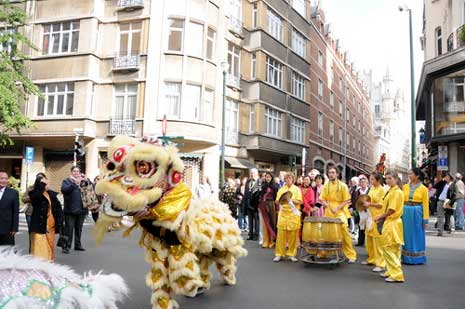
x=239, y=163
x=190, y=155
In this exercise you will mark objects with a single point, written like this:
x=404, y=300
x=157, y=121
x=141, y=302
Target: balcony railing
x=119, y=126
x=234, y=81
x=451, y=42
x=129, y=5
x=126, y=61
x=235, y=25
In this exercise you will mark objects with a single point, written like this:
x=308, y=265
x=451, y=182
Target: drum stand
x=321, y=253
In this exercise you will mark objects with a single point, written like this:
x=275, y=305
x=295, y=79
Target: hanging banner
x=443, y=159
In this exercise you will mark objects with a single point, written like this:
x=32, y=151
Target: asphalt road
x=286, y=285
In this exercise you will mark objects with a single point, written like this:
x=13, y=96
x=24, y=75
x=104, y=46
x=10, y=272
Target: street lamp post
x=225, y=68
x=412, y=88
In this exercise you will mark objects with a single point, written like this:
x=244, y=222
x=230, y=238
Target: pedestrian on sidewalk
x=242, y=210
x=75, y=213
x=459, y=190
x=205, y=190
x=46, y=219
x=442, y=188
x=9, y=211
x=267, y=208
x=229, y=196
x=251, y=200
x=361, y=215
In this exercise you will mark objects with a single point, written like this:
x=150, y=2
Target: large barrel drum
x=320, y=230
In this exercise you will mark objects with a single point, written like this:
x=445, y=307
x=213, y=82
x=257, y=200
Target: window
x=331, y=76
x=353, y=120
x=320, y=124
x=275, y=25
x=347, y=140
x=194, y=39
x=274, y=72
x=207, y=106
x=7, y=44
x=341, y=86
x=61, y=37
x=252, y=118
x=348, y=115
x=331, y=131
x=331, y=100
x=297, y=130
x=234, y=54
x=359, y=126
x=58, y=99
x=438, y=34
x=353, y=144
x=172, y=93
x=254, y=15
x=273, y=122
x=299, y=6
x=253, y=64
x=340, y=108
x=377, y=111
x=359, y=147
x=340, y=136
x=232, y=122
x=298, y=43
x=320, y=58
x=191, y=102
x=125, y=101
x=211, y=37
x=129, y=37
x=176, y=33
x=320, y=89
x=298, y=86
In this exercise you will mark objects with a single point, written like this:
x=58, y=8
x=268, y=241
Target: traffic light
x=79, y=149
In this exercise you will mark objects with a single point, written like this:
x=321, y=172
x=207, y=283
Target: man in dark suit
x=9, y=211
x=251, y=200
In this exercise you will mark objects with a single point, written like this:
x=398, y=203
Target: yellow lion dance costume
x=182, y=236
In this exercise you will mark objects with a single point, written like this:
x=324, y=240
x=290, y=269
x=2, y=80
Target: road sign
x=29, y=155
x=443, y=158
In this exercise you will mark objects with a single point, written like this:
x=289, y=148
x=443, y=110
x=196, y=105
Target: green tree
x=15, y=85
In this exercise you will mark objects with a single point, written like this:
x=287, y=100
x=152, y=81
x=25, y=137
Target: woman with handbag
x=46, y=219
x=390, y=224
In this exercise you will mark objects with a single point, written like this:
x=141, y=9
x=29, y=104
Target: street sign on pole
x=29, y=155
x=443, y=158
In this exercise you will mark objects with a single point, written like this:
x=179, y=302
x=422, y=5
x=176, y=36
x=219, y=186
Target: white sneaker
x=390, y=280
x=384, y=275
x=378, y=269
x=351, y=261
x=277, y=259
x=364, y=262
x=293, y=259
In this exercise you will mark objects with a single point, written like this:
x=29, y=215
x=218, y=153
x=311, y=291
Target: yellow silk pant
x=347, y=246
x=291, y=238
x=375, y=251
x=394, y=267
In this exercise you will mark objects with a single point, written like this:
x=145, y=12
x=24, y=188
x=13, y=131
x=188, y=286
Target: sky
x=376, y=35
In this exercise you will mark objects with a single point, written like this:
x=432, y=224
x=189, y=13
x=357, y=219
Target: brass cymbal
x=360, y=200
x=286, y=196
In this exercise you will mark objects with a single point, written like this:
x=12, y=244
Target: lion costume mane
x=181, y=236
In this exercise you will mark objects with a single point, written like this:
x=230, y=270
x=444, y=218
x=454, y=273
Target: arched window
x=319, y=165
x=438, y=37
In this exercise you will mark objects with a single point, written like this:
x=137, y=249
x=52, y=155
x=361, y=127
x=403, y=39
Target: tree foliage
x=15, y=85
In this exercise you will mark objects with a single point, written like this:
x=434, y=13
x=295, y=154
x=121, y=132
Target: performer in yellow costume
x=373, y=238
x=335, y=197
x=392, y=237
x=289, y=198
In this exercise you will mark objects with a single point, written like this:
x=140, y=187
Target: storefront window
x=449, y=104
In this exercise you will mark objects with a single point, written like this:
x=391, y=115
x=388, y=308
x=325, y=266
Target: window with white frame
x=297, y=130
x=61, y=37
x=320, y=89
x=348, y=115
x=129, y=37
x=340, y=136
x=331, y=131
x=253, y=66
x=234, y=56
x=353, y=144
x=341, y=85
x=347, y=140
x=331, y=100
x=235, y=10
x=298, y=85
x=331, y=76
x=207, y=106
x=211, y=38
x=353, y=120
x=320, y=58
x=175, y=35
x=254, y=15
x=7, y=43
x=275, y=25
x=359, y=126
x=194, y=39
x=57, y=100
x=299, y=6
x=125, y=101
x=232, y=122
x=340, y=108
x=320, y=124
x=172, y=94
x=191, y=102
x=273, y=122
x=438, y=37
x=359, y=147
x=252, y=118
x=274, y=72
x=298, y=43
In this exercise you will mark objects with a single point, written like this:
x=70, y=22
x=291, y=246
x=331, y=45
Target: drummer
x=373, y=238
x=392, y=237
x=289, y=199
x=335, y=197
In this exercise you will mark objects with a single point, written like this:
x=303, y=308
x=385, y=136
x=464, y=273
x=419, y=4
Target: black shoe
x=255, y=238
x=65, y=251
x=250, y=238
x=79, y=249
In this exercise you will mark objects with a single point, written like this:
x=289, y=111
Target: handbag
x=62, y=241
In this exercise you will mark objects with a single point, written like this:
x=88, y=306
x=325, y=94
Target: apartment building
x=440, y=97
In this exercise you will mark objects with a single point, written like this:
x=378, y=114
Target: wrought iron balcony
x=130, y=5
x=235, y=25
x=120, y=126
x=126, y=61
